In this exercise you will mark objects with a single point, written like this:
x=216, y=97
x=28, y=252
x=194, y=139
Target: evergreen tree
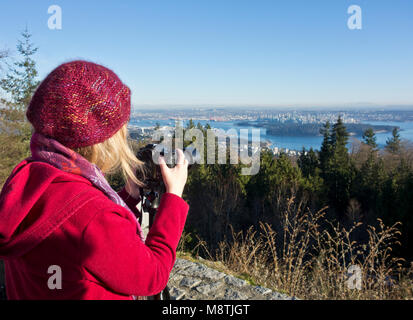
x=19, y=85
x=339, y=137
x=3, y=55
x=191, y=124
x=368, y=185
x=308, y=163
x=326, y=147
x=393, y=144
x=336, y=167
x=20, y=82
x=369, y=138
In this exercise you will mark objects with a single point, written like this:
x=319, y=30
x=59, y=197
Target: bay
x=286, y=142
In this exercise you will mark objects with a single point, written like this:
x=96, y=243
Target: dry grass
x=312, y=259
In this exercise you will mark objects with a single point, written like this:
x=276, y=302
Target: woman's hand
x=175, y=178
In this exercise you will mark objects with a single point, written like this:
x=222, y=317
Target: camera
x=150, y=152
x=151, y=174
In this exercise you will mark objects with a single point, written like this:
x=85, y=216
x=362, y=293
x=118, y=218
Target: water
x=405, y=133
x=291, y=143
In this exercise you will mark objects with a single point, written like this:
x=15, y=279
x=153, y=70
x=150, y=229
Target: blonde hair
x=114, y=154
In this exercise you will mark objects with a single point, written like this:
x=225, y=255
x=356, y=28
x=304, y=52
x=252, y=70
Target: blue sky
x=207, y=52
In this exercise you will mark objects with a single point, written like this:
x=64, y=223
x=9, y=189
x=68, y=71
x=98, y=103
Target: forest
x=300, y=223
x=357, y=185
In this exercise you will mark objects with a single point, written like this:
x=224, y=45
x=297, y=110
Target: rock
x=176, y=294
x=234, y=295
x=182, y=264
x=195, y=268
x=262, y=290
x=233, y=281
x=278, y=296
x=207, y=288
x=174, y=279
x=213, y=274
x=195, y=281
x=189, y=282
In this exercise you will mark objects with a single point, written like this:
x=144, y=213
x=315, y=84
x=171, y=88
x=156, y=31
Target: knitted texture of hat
x=80, y=104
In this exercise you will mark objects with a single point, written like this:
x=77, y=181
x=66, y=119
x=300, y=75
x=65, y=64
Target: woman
x=64, y=233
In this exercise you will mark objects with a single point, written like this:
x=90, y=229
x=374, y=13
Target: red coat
x=49, y=217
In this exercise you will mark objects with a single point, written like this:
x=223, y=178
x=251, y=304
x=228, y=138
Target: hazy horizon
x=352, y=107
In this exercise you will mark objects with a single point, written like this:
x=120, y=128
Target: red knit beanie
x=80, y=104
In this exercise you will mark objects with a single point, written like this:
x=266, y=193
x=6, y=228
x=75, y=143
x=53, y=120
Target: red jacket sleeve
x=130, y=202
x=113, y=252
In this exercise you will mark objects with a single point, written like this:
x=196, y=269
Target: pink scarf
x=53, y=152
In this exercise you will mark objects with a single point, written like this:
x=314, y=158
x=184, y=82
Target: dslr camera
x=151, y=175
